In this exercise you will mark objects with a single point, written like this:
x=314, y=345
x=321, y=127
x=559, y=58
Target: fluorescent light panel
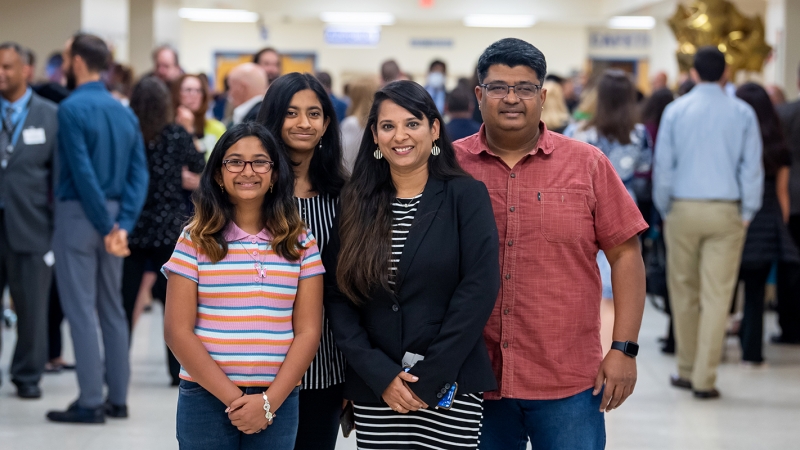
x=217, y=15
x=632, y=22
x=358, y=18
x=499, y=21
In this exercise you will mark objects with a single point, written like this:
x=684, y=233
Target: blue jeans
x=202, y=422
x=573, y=423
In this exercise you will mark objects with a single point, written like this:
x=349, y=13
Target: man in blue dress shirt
x=102, y=187
x=707, y=183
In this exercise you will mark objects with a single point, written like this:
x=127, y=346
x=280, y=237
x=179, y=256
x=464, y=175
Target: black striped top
x=403, y=211
x=327, y=368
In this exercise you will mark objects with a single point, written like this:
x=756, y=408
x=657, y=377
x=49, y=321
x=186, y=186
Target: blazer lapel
x=432, y=198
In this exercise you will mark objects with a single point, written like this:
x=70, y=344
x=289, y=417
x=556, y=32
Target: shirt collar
x=233, y=233
x=545, y=143
x=92, y=85
x=241, y=111
x=705, y=87
x=18, y=105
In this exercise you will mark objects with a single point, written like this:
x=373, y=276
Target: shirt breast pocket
x=561, y=215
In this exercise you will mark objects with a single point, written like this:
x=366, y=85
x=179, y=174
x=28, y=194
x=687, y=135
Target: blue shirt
x=101, y=157
x=708, y=148
x=19, y=114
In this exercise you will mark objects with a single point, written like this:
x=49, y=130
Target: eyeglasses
x=191, y=90
x=258, y=166
x=524, y=91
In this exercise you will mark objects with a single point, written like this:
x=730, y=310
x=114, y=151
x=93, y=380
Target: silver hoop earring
x=435, y=150
x=377, y=153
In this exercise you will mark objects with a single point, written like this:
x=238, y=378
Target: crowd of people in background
x=693, y=190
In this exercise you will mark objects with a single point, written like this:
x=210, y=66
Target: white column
x=141, y=40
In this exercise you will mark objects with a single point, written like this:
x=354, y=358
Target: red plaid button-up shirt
x=560, y=204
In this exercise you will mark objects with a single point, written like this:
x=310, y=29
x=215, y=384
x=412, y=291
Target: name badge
x=33, y=136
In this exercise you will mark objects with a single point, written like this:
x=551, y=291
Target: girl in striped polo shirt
x=244, y=313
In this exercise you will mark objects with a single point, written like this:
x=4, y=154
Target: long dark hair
x=655, y=105
x=325, y=171
x=775, y=147
x=366, y=221
x=616, y=114
x=150, y=102
x=214, y=210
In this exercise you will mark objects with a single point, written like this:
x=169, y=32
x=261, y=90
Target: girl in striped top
x=244, y=300
x=299, y=113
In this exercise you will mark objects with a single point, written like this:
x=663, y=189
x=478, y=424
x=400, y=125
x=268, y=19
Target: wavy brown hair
x=150, y=102
x=200, y=114
x=617, y=112
x=214, y=210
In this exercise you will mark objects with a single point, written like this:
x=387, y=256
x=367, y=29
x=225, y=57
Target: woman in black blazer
x=415, y=281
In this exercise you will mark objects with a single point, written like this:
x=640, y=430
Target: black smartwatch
x=630, y=348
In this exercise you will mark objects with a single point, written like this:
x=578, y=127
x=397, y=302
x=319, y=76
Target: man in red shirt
x=557, y=201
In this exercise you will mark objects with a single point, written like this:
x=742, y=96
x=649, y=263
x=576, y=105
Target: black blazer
x=447, y=284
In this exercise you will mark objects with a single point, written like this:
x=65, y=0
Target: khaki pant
x=704, y=247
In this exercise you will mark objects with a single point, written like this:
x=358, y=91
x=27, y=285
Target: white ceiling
x=409, y=12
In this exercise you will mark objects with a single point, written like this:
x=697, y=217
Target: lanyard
x=6, y=155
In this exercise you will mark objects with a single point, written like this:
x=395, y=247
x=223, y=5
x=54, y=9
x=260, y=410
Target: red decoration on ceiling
x=426, y=3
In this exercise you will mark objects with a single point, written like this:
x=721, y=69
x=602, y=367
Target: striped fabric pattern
x=245, y=301
x=378, y=427
x=328, y=367
x=403, y=211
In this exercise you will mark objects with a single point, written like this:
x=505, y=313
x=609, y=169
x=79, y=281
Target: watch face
x=632, y=348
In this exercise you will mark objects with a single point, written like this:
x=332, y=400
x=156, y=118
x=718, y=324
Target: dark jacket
x=789, y=114
x=447, y=284
x=26, y=185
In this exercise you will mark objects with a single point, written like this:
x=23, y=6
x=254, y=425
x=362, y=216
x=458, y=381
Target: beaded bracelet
x=267, y=414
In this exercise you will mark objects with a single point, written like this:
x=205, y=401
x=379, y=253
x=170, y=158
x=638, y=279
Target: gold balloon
x=719, y=23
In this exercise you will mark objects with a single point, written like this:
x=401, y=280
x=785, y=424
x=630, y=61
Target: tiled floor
x=760, y=408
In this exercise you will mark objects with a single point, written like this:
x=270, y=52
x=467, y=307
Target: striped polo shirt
x=245, y=301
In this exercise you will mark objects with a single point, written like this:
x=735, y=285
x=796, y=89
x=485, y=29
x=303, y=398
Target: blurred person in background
x=361, y=92
x=390, y=71
x=435, y=83
x=685, y=87
x=707, y=184
x=587, y=107
x=53, y=89
x=768, y=239
x=299, y=113
x=789, y=309
x=102, y=186
x=170, y=150
x=555, y=113
x=659, y=81
x=340, y=106
x=459, y=109
x=248, y=84
x=776, y=95
x=652, y=111
x=166, y=64
x=616, y=131
x=119, y=81
x=191, y=97
x=28, y=138
x=270, y=60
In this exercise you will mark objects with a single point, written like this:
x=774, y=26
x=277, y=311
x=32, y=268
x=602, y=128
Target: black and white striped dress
x=328, y=367
x=378, y=427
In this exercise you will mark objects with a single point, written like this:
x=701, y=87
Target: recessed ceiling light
x=358, y=18
x=499, y=21
x=217, y=15
x=632, y=22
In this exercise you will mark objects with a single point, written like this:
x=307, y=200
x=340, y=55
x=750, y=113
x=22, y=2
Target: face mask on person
x=436, y=80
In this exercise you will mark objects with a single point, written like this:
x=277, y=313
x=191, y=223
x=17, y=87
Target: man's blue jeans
x=572, y=423
x=204, y=424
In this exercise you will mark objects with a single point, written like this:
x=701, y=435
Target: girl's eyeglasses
x=258, y=166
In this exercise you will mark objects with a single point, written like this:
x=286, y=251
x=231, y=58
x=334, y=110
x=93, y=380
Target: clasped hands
x=116, y=242
x=400, y=397
x=246, y=413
